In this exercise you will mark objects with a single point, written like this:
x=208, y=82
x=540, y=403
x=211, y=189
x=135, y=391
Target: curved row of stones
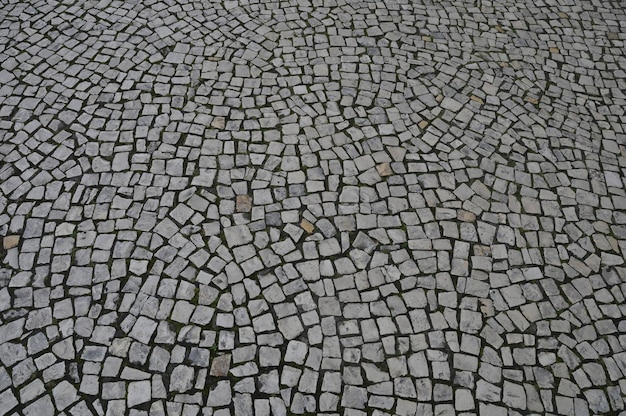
x=312, y=207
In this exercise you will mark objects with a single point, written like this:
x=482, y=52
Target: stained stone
x=384, y=169
x=307, y=226
x=10, y=241
x=220, y=365
x=244, y=203
x=238, y=235
x=218, y=123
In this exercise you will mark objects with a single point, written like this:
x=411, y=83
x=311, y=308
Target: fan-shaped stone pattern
x=327, y=207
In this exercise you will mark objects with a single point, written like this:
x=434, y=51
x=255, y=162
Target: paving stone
x=290, y=327
x=220, y=365
x=8, y=401
x=42, y=406
x=143, y=329
x=238, y=235
x=64, y=395
x=514, y=395
x=354, y=397
x=10, y=241
x=139, y=392
x=182, y=378
x=296, y=352
x=332, y=209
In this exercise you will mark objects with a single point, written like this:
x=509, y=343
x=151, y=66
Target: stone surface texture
x=332, y=207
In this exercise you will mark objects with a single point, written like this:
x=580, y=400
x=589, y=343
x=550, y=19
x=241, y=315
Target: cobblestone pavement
x=312, y=207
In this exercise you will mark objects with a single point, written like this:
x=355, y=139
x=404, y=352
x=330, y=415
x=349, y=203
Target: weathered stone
x=220, y=365
x=10, y=241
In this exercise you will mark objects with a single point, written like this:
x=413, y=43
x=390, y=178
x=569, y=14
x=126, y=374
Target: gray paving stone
x=318, y=208
x=8, y=401
x=64, y=395
x=42, y=406
x=182, y=378
x=354, y=397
